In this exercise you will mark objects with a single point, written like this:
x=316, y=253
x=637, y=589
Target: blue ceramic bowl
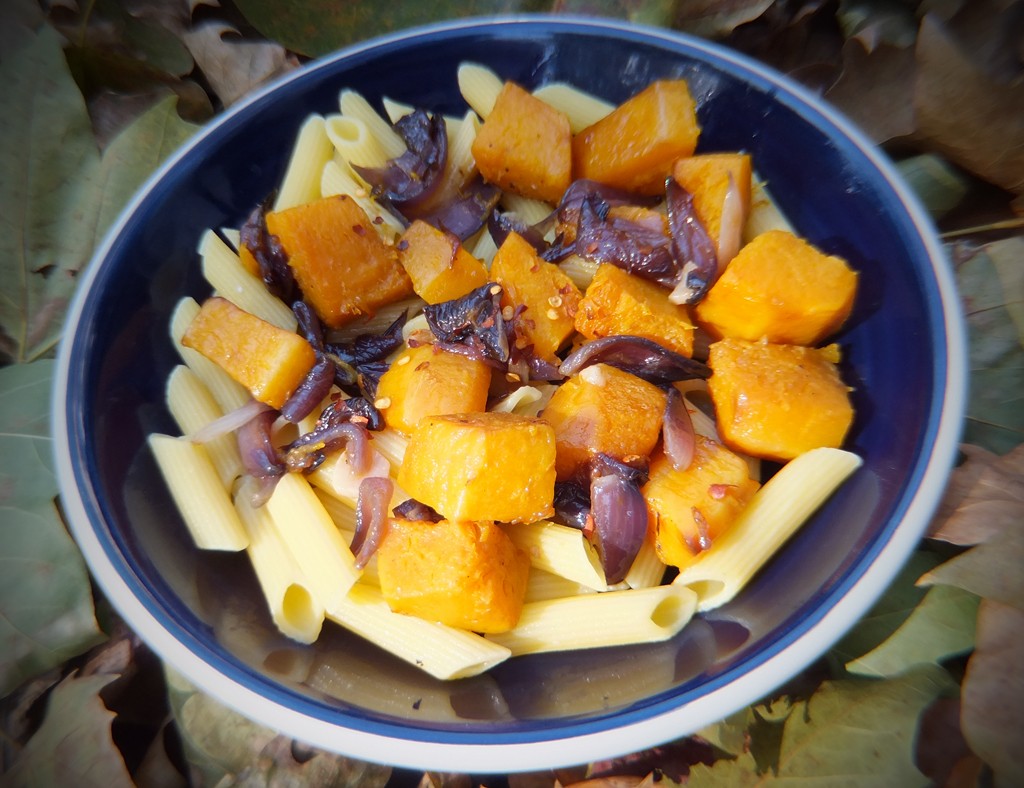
x=203, y=614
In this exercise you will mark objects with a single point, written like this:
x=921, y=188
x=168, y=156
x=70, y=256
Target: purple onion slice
x=371, y=517
x=619, y=513
x=678, y=437
x=692, y=247
x=637, y=355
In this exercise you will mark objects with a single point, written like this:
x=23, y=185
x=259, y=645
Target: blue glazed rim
x=535, y=744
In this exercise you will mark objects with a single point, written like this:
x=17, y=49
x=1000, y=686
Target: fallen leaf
x=26, y=448
x=18, y=22
x=874, y=23
x=993, y=690
x=941, y=626
x=940, y=186
x=850, y=732
x=940, y=743
x=987, y=498
x=991, y=570
x=874, y=89
x=730, y=734
x=995, y=409
x=964, y=113
x=717, y=18
x=1006, y=256
x=48, y=162
x=73, y=746
x=232, y=65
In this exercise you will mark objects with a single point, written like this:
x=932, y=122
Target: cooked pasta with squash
x=445, y=389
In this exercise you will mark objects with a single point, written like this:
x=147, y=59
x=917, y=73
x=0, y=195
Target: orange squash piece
x=780, y=288
x=691, y=508
x=341, y=263
x=425, y=381
x=778, y=401
x=440, y=268
x=706, y=177
x=617, y=302
x=464, y=574
x=550, y=297
x=525, y=146
x=482, y=466
x=635, y=145
x=269, y=361
x=603, y=409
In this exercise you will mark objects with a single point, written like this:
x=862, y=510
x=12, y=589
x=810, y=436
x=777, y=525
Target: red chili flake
x=488, y=322
x=589, y=526
x=719, y=491
x=422, y=366
x=358, y=229
x=534, y=268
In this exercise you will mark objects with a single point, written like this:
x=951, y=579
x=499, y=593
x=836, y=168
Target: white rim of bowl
x=531, y=754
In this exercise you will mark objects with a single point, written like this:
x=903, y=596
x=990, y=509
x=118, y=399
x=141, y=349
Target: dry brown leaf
x=964, y=113
x=234, y=66
x=993, y=692
x=985, y=497
x=874, y=89
x=716, y=18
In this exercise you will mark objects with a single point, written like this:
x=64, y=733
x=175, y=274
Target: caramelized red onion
x=269, y=254
x=472, y=324
x=692, y=247
x=677, y=431
x=229, y=422
x=333, y=430
x=639, y=356
x=310, y=392
x=501, y=223
x=464, y=210
x=619, y=514
x=408, y=181
x=411, y=509
x=260, y=457
x=371, y=517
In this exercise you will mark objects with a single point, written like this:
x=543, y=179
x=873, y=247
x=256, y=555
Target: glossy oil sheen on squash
x=426, y=381
x=482, y=466
x=464, y=574
x=778, y=401
x=341, y=263
x=690, y=508
x=603, y=409
x=269, y=361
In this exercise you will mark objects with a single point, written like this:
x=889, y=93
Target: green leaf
x=56, y=195
x=73, y=746
x=729, y=735
x=26, y=461
x=939, y=185
x=995, y=412
x=941, y=626
x=48, y=160
x=46, y=610
x=992, y=714
x=857, y=732
x=134, y=154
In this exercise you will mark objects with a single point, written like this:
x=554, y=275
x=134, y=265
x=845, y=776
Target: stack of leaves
x=927, y=688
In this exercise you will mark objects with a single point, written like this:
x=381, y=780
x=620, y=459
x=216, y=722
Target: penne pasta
x=337, y=179
x=353, y=141
x=546, y=585
x=647, y=570
x=229, y=393
x=226, y=274
x=193, y=407
x=764, y=213
x=529, y=210
x=354, y=105
x=443, y=652
x=390, y=443
x=581, y=108
x=204, y=504
x=314, y=540
x=561, y=550
x=293, y=608
x=461, y=165
x=479, y=87
x=614, y=618
x=773, y=514
x=313, y=149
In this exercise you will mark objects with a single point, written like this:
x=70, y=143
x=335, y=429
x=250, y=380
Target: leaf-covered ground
x=927, y=689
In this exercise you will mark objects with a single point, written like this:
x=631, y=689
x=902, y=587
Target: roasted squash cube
x=778, y=401
x=440, y=268
x=426, y=381
x=780, y=288
x=617, y=302
x=525, y=146
x=482, y=466
x=269, y=361
x=550, y=297
x=341, y=263
x=603, y=409
x=690, y=508
x=706, y=177
x=464, y=574
x=635, y=146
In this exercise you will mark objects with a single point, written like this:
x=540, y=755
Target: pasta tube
x=193, y=407
x=313, y=149
x=561, y=550
x=773, y=514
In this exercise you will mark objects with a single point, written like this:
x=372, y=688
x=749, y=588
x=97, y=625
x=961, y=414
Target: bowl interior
x=119, y=355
